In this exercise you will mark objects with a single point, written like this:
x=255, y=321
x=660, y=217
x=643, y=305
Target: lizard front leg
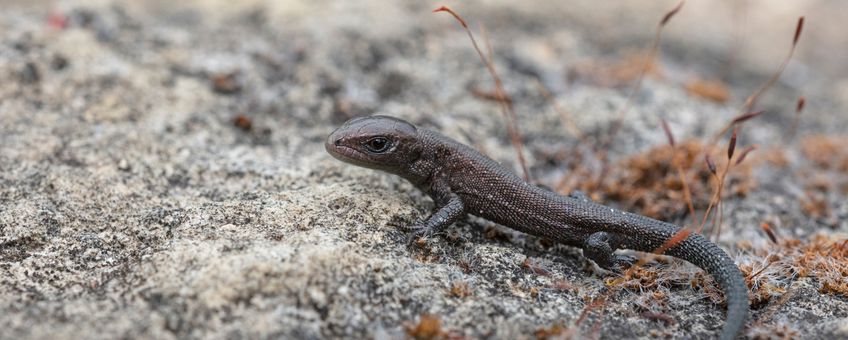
x=449, y=208
x=444, y=216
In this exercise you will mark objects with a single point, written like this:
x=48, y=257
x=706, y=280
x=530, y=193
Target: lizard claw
x=418, y=231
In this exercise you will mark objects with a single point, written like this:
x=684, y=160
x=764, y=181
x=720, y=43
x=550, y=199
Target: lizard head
x=376, y=142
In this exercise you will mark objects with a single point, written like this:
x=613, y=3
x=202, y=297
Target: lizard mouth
x=344, y=153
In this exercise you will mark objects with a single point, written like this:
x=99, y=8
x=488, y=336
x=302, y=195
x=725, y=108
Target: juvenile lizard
x=462, y=181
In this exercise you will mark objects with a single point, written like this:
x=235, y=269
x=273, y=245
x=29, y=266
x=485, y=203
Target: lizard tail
x=709, y=257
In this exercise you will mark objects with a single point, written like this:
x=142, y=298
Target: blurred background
x=162, y=172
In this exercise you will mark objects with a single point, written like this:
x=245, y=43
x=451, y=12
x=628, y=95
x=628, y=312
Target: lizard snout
x=334, y=142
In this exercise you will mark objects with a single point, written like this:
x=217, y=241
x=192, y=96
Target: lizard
x=460, y=180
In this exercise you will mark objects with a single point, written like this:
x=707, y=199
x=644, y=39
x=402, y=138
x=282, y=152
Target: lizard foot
x=620, y=263
x=600, y=247
x=418, y=231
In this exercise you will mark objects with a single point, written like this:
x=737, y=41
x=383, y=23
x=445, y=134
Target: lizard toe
x=620, y=263
x=418, y=231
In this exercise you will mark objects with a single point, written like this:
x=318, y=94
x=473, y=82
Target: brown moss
x=713, y=90
x=535, y=268
x=829, y=159
x=637, y=278
x=226, y=83
x=460, y=289
x=814, y=204
x=563, y=285
x=243, y=122
x=774, y=332
x=648, y=183
x=557, y=331
x=826, y=152
x=774, y=156
x=428, y=327
x=623, y=71
x=822, y=257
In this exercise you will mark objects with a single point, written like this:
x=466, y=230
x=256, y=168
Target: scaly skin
x=462, y=181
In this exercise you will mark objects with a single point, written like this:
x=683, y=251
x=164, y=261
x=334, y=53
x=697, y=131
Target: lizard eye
x=377, y=144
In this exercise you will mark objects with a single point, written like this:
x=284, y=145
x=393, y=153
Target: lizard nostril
x=338, y=142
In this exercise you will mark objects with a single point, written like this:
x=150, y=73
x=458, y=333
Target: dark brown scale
x=460, y=180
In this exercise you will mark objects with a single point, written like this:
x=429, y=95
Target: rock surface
x=162, y=173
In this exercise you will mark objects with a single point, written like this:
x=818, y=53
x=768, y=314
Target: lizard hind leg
x=600, y=247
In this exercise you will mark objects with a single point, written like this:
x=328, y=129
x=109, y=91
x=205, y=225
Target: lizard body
x=460, y=180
